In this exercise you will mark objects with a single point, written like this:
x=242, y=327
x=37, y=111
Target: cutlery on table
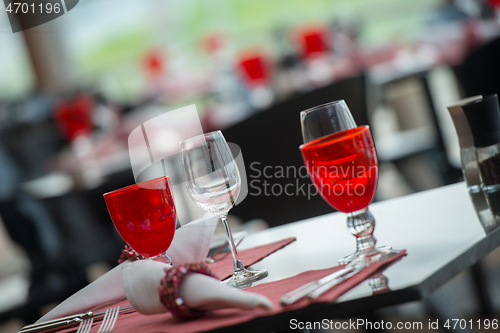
x=211, y=259
x=316, y=288
x=69, y=321
x=85, y=325
x=109, y=321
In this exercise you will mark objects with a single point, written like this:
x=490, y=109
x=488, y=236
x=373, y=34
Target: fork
x=69, y=321
x=212, y=258
x=109, y=321
x=85, y=325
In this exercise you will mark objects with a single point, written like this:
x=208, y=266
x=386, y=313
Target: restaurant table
x=438, y=228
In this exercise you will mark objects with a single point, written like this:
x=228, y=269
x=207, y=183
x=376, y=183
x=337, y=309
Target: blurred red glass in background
x=254, y=69
x=313, y=41
x=213, y=42
x=154, y=64
x=494, y=3
x=74, y=116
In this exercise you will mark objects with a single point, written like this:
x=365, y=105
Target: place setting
x=164, y=270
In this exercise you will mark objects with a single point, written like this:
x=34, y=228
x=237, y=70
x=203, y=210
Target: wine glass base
x=163, y=258
x=245, y=278
x=369, y=252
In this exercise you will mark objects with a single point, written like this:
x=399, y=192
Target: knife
x=319, y=290
x=299, y=293
x=52, y=325
x=316, y=288
x=378, y=257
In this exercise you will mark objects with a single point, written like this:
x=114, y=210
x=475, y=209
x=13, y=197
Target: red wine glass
x=144, y=215
x=342, y=162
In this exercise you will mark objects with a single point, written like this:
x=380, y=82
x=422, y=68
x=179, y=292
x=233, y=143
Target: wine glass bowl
x=144, y=215
x=342, y=162
x=343, y=166
x=213, y=181
x=325, y=119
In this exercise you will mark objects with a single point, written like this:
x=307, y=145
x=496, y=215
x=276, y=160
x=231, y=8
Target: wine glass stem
x=238, y=265
x=361, y=224
x=165, y=255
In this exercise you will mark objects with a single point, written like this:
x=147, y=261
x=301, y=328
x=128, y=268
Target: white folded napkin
x=192, y=241
x=141, y=280
x=191, y=244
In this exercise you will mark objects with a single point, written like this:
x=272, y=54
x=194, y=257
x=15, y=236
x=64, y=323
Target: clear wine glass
x=342, y=162
x=144, y=215
x=213, y=182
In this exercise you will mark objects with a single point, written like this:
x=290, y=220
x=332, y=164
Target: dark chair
x=61, y=235
x=279, y=189
x=479, y=74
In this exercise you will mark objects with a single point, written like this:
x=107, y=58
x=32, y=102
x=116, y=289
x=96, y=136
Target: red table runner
x=135, y=322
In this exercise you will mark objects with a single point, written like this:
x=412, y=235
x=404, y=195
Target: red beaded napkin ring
x=169, y=289
x=127, y=253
